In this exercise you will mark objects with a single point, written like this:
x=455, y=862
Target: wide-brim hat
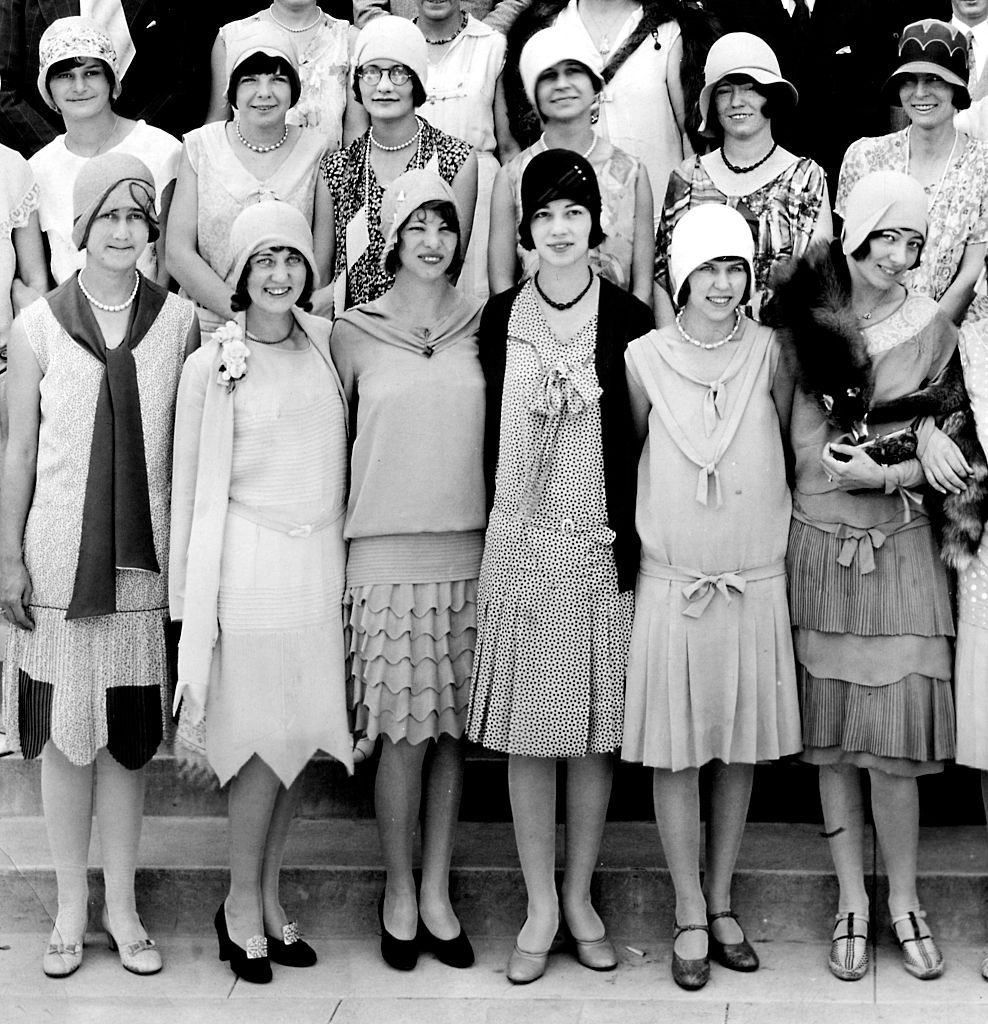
x=267, y=225
x=883, y=199
x=551, y=46
x=934, y=48
x=404, y=196
x=263, y=36
x=746, y=56
x=711, y=231
x=66, y=38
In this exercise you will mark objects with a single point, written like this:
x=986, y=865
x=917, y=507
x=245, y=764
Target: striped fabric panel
x=34, y=700
x=133, y=719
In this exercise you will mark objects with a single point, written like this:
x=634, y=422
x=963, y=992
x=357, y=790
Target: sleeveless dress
x=225, y=187
x=99, y=681
x=552, y=626
x=19, y=198
x=323, y=69
x=276, y=679
x=460, y=102
x=711, y=672
x=617, y=176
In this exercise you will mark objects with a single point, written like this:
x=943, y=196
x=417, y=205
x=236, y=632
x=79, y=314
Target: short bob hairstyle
x=418, y=89
x=61, y=66
x=240, y=299
x=262, y=64
x=778, y=102
x=442, y=209
x=684, y=292
x=864, y=248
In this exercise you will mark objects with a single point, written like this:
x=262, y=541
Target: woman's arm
x=956, y=299
x=507, y=147
x=823, y=229
x=640, y=405
x=163, y=277
x=674, y=87
x=324, y=247
x=502, y=259
x=643, y=242
x=182, y=257
x=32, y=268
x=219, y=107
x=19, y=473
x=355, y=119
x=465, y=189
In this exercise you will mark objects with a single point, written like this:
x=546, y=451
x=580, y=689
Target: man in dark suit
x=837, y=53
x=166, y=82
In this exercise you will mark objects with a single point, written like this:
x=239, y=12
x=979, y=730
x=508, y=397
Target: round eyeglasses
x=371, y=74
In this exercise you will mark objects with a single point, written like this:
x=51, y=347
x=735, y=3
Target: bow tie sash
x=702, y=587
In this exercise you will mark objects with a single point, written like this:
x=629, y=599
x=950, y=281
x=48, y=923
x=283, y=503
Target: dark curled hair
x=445, y=210
x=778, y=101
x=61, y=66
x=862, y=251
x=418, y=89
x=262, y=64
x=684, y=292
x=240, y=299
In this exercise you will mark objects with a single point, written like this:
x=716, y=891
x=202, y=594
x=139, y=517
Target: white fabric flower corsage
x=234, y=352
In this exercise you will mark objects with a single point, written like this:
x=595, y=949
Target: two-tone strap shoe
x=849, y=947
x=921, y=956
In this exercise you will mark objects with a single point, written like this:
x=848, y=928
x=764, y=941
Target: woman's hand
x=194, y=696
x=15, y=593
x=944, y=464
x=858, y=472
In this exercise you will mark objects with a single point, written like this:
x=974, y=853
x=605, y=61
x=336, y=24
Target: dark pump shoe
x=250, y=964
x=690, y=974
x=291, y=950
x=737, y=956
x=401, y=954
x=455, y=952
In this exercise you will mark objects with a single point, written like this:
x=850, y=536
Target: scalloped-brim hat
x=746, y=56
x=934, y=48
x=66, y=38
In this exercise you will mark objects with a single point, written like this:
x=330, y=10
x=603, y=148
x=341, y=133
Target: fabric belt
x=257, y=517
x=860, y=542
x=701, y=587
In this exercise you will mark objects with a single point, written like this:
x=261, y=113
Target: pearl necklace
x=259, y=149
x=401, y=145
x=562, y=305
x=447, y=39
x=106, y=307
x=750, y=167
x=586, y=155
x=270, y=341
x=288, y=28
x=703, y=344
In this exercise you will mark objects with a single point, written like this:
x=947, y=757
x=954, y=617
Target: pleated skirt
x=971, y=666
x=860, y=637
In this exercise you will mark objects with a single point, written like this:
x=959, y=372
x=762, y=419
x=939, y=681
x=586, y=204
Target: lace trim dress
x=100, y=681
x=19, y=198
x=711, y=671
x=552, y=627
x=868, y=593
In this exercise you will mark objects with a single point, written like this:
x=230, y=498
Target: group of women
x=390, y=516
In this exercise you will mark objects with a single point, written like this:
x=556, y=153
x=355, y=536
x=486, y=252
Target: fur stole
x=811, y=308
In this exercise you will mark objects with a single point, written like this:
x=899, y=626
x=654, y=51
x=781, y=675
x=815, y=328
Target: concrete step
x=784, y=888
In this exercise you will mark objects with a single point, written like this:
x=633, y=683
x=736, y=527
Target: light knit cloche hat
x=66, y=38
x=268, y=225
x=111, y=181
x=390, y=37
x=704, y=233
x=404, y=196
x=263, y=36
x=551, y=46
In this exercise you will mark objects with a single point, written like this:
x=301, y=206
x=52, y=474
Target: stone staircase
x=784, y=889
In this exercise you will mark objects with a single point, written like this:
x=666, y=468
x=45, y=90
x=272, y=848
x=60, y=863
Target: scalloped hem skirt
x=411, y=654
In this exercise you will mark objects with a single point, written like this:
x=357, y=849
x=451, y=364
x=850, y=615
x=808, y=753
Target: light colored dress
x=552, y=626
x=711, y=671
x=276, y=679
x=56, y=168
x=868, y=593
x=636, y=114
x=102, y=680
x=323, y=69
x=19, y=197
x=226, y=187
x=971, y=694
x=958, y=207
x=617, y=177
x=460, y=102
x=781, y=214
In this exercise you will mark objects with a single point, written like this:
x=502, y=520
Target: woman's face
x=264, y=99
x=117, y=238
x=564, y=91
x=426, y=244
x=927, y=100
x=561, y=232
x=717, y=287
x=891, y=252
x=438, y=10
x=386, y=101
x=81, y=91
x=275, y=278
x=739, y=107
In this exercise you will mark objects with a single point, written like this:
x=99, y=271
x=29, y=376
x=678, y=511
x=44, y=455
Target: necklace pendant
x=605, y=45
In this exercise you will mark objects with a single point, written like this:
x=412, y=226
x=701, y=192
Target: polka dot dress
x=553, y=629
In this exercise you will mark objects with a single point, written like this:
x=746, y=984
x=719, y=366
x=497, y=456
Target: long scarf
x=116, y=515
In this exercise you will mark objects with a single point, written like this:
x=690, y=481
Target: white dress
x=460, y=102
x=56, y=168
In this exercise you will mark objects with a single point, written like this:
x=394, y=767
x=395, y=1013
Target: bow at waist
x=701, y=587
x=292, y=529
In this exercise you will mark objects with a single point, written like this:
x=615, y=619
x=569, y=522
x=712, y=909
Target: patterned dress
x=99, y=681
x=958, y=207
x=357, y=196
x=552, y=627
x=323, y=68
x=617, y=176
x=781, y=215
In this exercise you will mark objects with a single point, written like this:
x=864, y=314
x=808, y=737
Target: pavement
x=352, y=985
